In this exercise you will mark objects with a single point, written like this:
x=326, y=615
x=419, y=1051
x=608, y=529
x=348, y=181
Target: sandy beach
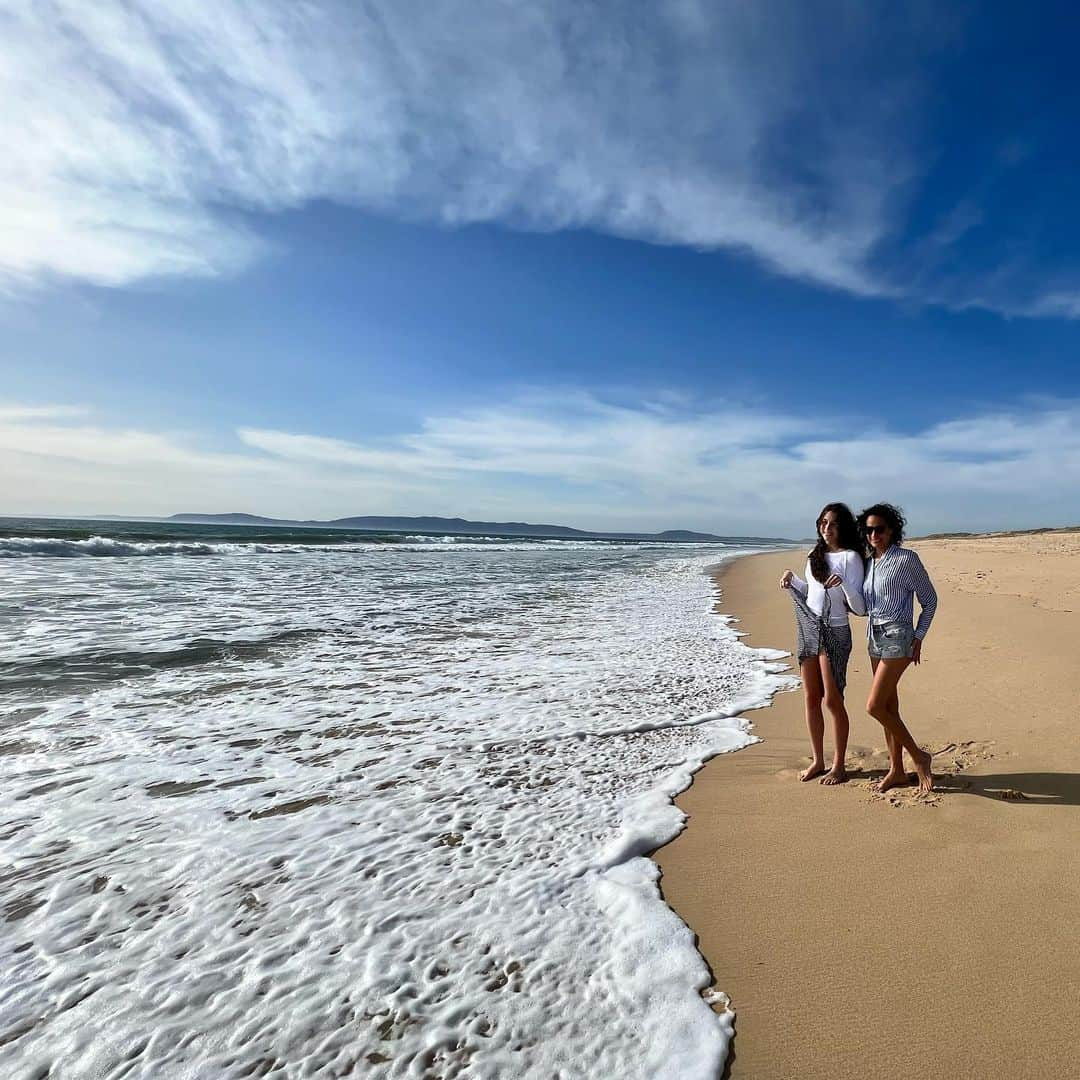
x=861, y=935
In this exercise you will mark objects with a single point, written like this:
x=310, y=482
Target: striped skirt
x=814, y=636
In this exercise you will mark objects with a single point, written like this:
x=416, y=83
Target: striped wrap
x=815, y=635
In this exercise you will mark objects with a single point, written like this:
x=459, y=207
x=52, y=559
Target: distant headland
x=460, y=526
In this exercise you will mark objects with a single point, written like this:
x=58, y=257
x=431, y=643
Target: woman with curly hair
x=832, y=587
x=895, y=575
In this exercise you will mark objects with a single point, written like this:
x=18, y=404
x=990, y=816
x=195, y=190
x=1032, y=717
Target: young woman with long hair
x=833, y=586
x=895, y=575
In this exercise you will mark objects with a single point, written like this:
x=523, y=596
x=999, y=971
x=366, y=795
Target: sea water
x=356, y=809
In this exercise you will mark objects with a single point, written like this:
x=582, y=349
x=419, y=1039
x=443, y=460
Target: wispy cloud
x=41, y=412
x=576, y=459
x=134, y=132
x=575, y=439
x=738, y=468
x=59, y=461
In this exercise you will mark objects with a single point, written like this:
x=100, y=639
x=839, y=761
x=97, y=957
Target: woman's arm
x=851, y=583
x=927, y=594
x=791, y=580
x=802, y=585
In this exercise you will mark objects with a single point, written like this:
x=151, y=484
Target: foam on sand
x=403, y=833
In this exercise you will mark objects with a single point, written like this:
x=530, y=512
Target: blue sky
x=617, y=266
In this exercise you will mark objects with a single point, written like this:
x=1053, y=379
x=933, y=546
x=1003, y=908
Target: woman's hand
x=916, y=651
x=833, y=580
x=785, y=579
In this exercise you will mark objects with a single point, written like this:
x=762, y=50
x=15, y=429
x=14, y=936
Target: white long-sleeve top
x=848, y=565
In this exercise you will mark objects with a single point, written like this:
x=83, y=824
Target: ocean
x=296, y=803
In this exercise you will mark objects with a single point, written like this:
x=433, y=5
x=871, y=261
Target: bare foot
x=922, y=767
x=816, y=769
x=892, y=779
x=836, y=775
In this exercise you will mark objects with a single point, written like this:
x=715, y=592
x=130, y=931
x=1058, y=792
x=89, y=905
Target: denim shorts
x=890, y=640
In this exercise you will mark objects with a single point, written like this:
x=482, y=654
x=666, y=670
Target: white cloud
x=731, y=468
x=75, y=467
x=573, y=460
x=135, y=132
x=41, y=412
x=574, y=439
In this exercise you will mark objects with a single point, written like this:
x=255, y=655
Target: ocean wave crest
x=468, y=538
x=16, y=546
x=104, y=546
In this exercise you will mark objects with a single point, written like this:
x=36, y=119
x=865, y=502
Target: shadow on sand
x=1037, y=788
x=1046, y=788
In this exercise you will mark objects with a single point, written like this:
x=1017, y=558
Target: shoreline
x=856, y=934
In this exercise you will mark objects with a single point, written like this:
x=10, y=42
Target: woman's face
x=829, y=527
x=878, y=532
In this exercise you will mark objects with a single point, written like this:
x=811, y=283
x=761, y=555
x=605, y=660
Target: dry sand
x=868, y=936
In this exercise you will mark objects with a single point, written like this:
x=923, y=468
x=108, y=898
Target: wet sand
x=861, y=935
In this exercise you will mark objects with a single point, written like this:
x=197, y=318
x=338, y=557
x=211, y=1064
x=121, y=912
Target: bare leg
x=884, y=707
x=895, y=775
x=813, y=693
x=841, y=725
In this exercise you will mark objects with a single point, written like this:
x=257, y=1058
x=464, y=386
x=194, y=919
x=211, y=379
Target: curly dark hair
x=893, y=515
x=849, y=536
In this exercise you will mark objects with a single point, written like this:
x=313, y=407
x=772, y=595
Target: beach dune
x=861, y=935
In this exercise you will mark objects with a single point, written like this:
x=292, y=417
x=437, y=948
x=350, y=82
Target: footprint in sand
x=867, y=765
x=950, y=762
x=906, y=796
x=954, y=758
x=791, y=774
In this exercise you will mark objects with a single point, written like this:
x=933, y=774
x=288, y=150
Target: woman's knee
x=878, y=708
x=834, y=702
x=813, y=697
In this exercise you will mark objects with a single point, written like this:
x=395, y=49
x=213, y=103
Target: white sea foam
x=338, y=814
x=103, y=546
x=423, y=538
x=55, y=547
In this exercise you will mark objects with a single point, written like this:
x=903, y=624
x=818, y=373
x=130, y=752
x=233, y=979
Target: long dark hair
x=893, y=515
x=849, y=536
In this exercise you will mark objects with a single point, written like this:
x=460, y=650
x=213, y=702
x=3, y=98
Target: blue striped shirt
x=891, y=583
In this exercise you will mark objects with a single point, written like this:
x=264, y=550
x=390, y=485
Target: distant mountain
x=454, y=525
x=237, y=519
x=459, y=526
x=684, y=534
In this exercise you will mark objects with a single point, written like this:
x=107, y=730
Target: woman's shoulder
x=908, y=557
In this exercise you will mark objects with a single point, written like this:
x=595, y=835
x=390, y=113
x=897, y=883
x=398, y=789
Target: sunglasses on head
x=871, y=530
